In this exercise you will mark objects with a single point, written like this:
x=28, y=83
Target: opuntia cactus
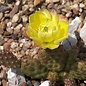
x=9, y=60
x=80, y=72
x=34, y=69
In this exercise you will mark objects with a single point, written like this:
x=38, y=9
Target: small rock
x=24, y=32
x=9, y=24
x=10, y=40
x=69, y=14
x=14, y=45
x=15, y=18
x=1, y=48
x=6, y=46
x=80, y=10
x=17, y=28
x=74, y=25
x=14, y=36
x=18, y=3
x=27, y=52
x=1, y=41
x=21, y=45
x=2, y=27
x=75, y=11
x=22, y=52
x=25, y=7
x=27, y=44
x=36, y=2
x=83, y=33
x=24, y=18
x=1, y=15
x=14, y=10
x=48, y=1
x=10, y=1
x=9, y=29
x=81, y=5
x=4, y=8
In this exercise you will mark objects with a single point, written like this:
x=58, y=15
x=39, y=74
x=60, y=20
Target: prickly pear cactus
x=54, y=60
x=53, y=77
x=9, y=60
x=34, y=69
x=49, y=61
x=79, y=72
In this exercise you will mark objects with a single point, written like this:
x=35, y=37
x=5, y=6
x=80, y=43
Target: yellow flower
x=46, y=29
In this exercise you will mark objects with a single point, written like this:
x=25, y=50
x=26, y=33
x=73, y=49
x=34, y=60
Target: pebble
x=10, y=1
x=14, y=11
x=9, y=24
x=14, y=36
x=4, y=8
x=14, y=45
x=75, y=11
x=2, y=41
x=36, y=2
x=69, y=14
x=17, y=29
x=21, y=45
x=15, y=18
x=2, y=27
x=27, y=44
x=6, y=46
x=10, y=30
x=81, y=5
x=27, y=52
x=48, y=1
x=18, y=3
x=1, y=48
x=24, y=19
x=1, y=15
x=83, y=33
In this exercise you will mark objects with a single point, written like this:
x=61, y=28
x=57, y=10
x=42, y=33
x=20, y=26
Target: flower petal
x=40, y=17
x=50, y=45
x=64, y=25
x=62, y=33
x=47, y=14
x=31, y=32
x=37, y=40
x=31, y=18
x=55, y=17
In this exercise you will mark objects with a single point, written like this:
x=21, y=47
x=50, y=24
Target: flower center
x=46, y=29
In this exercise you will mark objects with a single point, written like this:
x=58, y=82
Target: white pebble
x=15, y=18
x=17, y=3
x=74, y=24
x=1, y=15
x=1, y=47
x=14, y=45
x=24, y=19
x=21, y=45
x=83, y=33
x=81, y=5
x=9, y=30
x=9, y=24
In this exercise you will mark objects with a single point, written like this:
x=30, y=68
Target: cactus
x=34, y=69
x=53, y=77
x=57, y=60
x=80, y=72
x=9, y=60
x=54, y=60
